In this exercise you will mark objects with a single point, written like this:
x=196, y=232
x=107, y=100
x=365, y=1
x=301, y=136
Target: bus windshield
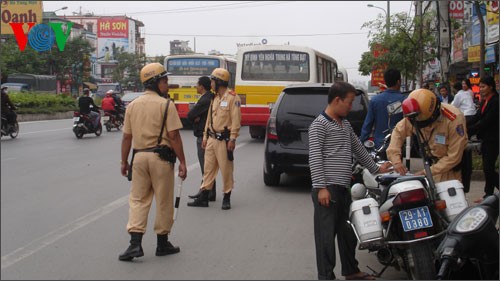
x=192, y=66
x=275, y=66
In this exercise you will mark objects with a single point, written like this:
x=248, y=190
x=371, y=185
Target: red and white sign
x=112, y=27
x=456, y=9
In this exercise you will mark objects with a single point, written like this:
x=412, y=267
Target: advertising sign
x=107, y=48
x=492, y=22
x=112, y=27
x=19, y=12
x=378, y=71
x=456, y=9
x=458, y=42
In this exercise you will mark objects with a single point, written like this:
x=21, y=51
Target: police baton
x=178, y=198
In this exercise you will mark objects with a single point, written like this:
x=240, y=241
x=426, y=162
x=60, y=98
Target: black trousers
x=466, y=169
x=489, y=151
x=328, y=223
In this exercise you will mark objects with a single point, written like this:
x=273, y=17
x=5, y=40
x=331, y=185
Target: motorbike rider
x=84, y=103
x=119, y=106
x=8, y=110
x=444, y=133
x=108, y=104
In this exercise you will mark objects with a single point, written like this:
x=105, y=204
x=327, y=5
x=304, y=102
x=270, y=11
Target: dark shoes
x=201, y=201
x=135, y=248
x=165, y=247
x=226, y=202
x=211, y=194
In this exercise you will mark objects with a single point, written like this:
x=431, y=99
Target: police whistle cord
x=178, y=197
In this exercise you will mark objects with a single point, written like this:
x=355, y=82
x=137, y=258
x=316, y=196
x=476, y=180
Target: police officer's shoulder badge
x=237, y=103
x=232, y=93
x=460, y=130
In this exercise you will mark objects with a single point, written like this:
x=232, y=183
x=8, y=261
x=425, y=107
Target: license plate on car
x=76, y=119
x=105, y=118
x=416, y=218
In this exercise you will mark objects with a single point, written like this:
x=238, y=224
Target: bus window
x=231, y=67
x=275, y=66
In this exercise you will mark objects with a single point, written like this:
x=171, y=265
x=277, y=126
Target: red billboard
x=456, y=9
x=116, y=27
x=378, y=71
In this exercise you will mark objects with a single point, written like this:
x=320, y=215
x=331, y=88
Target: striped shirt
x=331, y=146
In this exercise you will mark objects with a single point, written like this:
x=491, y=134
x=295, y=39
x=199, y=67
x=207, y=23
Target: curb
x=47, y=116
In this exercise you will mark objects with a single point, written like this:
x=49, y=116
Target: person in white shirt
x=464, y=101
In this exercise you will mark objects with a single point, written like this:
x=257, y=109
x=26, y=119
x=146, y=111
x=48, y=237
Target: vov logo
x=41, y=37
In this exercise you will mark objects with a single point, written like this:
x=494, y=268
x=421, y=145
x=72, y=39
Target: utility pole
x=444, y=38
x=388, y=19
x=420, y=50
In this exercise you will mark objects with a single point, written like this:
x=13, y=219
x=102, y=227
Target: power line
x=262, y=35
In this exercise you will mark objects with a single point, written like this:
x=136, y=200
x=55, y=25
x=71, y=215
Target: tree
x=403, y=44
x=13, y=60
x=129, y=66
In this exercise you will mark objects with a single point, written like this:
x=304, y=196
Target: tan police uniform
x=151, y=175
x=225, y=112
x=447, y=138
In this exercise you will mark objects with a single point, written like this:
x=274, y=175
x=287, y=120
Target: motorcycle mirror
x=369, y=144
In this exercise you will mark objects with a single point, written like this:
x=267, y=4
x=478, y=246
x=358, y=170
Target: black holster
x=166, y=153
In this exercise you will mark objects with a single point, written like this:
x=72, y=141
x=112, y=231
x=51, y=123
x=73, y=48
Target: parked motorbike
x=469, y=251
x=402, y=218
x=111, y=121
x=83, y=125
x=11, y=130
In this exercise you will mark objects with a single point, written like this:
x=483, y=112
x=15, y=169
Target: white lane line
x=44, y=121
x=38, y=244
x=44, y=131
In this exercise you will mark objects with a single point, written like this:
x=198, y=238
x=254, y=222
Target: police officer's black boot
x=201, y=201
x=226, y=202
x=196, y=195
x=164, y=246
x=212, y=193
x=135, y=248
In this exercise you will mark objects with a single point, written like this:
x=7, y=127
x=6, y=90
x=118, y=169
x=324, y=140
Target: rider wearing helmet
x=443, y=129
x=108, y=103
x=152, y=175
x=219, y=138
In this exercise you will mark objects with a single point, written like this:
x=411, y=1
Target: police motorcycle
x=82, y=124
x=11, y=130
x=469, y=251
x=402, y=218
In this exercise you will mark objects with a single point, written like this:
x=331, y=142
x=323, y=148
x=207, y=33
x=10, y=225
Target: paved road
x=64, y=209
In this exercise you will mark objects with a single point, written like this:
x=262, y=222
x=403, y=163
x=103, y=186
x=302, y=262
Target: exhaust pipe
x=385, y=256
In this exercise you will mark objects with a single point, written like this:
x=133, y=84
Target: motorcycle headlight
x=471, y=220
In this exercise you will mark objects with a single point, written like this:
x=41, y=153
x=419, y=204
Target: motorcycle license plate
x=105, y=118
x=416, y=218
x=76, y=119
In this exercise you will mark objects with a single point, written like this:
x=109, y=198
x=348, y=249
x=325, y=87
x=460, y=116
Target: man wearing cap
x=219, y=139
x=152, y=122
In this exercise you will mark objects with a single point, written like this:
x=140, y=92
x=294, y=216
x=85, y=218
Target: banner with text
x=20, y=11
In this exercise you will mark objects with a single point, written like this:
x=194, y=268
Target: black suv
x=287, y=140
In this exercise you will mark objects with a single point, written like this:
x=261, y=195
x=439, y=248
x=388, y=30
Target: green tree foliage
x=403, y=44
x=127, y=71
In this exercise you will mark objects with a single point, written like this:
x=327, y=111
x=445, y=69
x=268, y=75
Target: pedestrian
x=383, y=105
x=152, y=123
x=332, y=142
x=464, y=102
x=443, y=129
x=84, y=103
x=219, y=138
x=457, y=87
x=198, y=116
x=444, y=95
x=486, y=128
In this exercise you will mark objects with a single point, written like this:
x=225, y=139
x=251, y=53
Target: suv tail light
x=409, y=197
x=271, y=129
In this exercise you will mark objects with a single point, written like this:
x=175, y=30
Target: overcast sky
x=333, y=27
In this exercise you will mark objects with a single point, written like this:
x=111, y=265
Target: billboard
x=112, y=27
x=107, y=48
x=19, y=12
x=113, y=35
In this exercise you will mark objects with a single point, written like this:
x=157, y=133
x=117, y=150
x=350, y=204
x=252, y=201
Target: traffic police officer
x=151, y=175
x=219, y=139
x=443, y=128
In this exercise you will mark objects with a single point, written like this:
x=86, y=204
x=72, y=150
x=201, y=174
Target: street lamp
x=63, y=8
x=387, y=16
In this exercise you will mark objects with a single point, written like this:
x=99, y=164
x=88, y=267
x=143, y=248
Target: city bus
x=342, y=74
x=184, y=71
x=263, y=71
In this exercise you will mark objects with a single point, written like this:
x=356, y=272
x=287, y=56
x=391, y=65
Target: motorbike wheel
x=79, y=133
x=98, y=132
x=120, y=125
x=15, y=131
x=108, y=127
x=420, y=261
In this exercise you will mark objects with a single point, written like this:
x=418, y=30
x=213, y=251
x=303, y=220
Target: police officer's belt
x=218, y=136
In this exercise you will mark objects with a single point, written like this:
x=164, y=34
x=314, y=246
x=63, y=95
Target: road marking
x=44, y=121
x=48, y=239
x=36, y=132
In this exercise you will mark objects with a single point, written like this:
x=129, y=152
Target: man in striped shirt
x=332, y=142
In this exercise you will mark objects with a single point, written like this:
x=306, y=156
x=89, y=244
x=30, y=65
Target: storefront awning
x=91, y=86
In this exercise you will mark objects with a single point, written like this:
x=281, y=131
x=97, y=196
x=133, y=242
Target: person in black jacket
x=198, y=116
x=84, y=103
x=486, y=128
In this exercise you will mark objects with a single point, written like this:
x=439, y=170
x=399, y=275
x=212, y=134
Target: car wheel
x=271, y=178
